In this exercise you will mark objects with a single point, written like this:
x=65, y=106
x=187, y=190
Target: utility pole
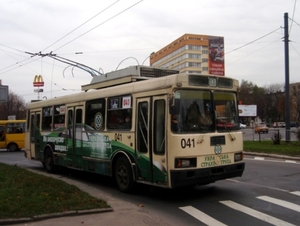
x=287, y=79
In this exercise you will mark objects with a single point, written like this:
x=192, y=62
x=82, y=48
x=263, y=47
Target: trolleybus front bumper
x=189, y=177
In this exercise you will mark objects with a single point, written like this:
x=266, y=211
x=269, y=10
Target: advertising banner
x=247, y=110
x=3, y=93
x=216, y=56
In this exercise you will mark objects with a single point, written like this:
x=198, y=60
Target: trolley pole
x=287, y=79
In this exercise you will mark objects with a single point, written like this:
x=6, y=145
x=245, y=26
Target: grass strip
x=291, y=148
x=27, y=194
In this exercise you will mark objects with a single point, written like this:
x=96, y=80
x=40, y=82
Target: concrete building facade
x=192, y=53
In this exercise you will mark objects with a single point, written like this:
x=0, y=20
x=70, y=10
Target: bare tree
x=246, y=91
x=274, y=93
x=296, y=103
x=293, y=106
x=15, y=106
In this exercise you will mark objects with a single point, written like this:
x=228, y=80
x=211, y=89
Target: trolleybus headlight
x=238, y=156
x=184, y=163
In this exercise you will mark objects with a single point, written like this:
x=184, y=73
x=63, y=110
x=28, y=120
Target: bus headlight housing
x=238, y=157
x=185, y=162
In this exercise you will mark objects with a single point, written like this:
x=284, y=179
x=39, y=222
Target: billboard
x=247, y=110
x=3, y=93
x=216, y=56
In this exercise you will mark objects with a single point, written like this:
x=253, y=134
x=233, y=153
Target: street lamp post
x=287, y=80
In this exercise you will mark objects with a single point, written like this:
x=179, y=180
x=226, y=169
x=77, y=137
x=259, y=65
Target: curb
x=285, y=157
x=53, y=215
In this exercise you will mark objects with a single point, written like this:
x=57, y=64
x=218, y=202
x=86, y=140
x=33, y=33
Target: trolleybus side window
x=95, y=113
x=70, y=118
x=47, y=123
x=79, y=116
x=59, y=116
x=119, y=114
x=159, y=126
x=78, y=129
x=143, y=127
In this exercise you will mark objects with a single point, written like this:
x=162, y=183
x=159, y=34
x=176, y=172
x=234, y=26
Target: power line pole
x=287, y=79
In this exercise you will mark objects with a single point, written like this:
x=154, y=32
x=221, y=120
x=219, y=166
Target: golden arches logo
x=38, y=81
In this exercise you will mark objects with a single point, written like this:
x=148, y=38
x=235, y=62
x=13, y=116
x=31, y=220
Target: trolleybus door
x=150, y=142
x=35, y=136
x=74, y=140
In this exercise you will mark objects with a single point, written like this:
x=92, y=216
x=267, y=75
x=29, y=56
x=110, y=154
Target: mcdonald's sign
x=38, y=81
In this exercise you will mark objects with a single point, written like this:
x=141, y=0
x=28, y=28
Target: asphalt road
x=267, y=194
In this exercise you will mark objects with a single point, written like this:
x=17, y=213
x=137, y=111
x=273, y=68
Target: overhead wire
x=82, y=24
x=69, y=34
x=17, y=65
x=81, y=36
x=292, y=17
x=294, y=21
x=12, y=48
x=254, y=40
x=75, y=64
x=128, y=9
x=99, y=24
x=253, y=52
x=295, y=49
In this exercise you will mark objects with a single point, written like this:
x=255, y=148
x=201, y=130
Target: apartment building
x=192, y=53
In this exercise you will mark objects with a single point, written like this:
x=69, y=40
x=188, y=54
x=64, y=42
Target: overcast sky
x=107, y=32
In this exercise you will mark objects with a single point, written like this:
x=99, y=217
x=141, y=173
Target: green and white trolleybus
x=142, y=125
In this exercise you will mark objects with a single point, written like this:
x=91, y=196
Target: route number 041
x=187, y=143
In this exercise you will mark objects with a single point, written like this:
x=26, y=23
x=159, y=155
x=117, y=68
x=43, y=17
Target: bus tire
x=123, y=175
x=12, y=147
x=49, y=161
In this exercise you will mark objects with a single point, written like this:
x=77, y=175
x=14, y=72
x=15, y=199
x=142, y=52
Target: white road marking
x=256, y=214
x=259, y=158
x=272, y=160
x=204, y=218
x=295, y=193
x=279, y=202
x=290, y=161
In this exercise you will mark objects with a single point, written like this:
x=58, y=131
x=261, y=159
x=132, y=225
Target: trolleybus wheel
x=123, y=175
x=49, y=161
x=13, y=147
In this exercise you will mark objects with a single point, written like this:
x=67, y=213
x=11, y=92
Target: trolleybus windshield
x=205, y=111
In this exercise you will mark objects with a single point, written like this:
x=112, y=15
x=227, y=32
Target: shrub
x=276, y=137
x=298, y=134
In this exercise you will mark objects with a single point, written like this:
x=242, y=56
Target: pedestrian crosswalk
x=256, y=214
x=281, y=203
x=206, y=219
x=296, y=193
x=209, y=220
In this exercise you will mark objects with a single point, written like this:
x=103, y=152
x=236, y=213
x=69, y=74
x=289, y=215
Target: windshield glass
x=200, y=109
x=226, y=111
